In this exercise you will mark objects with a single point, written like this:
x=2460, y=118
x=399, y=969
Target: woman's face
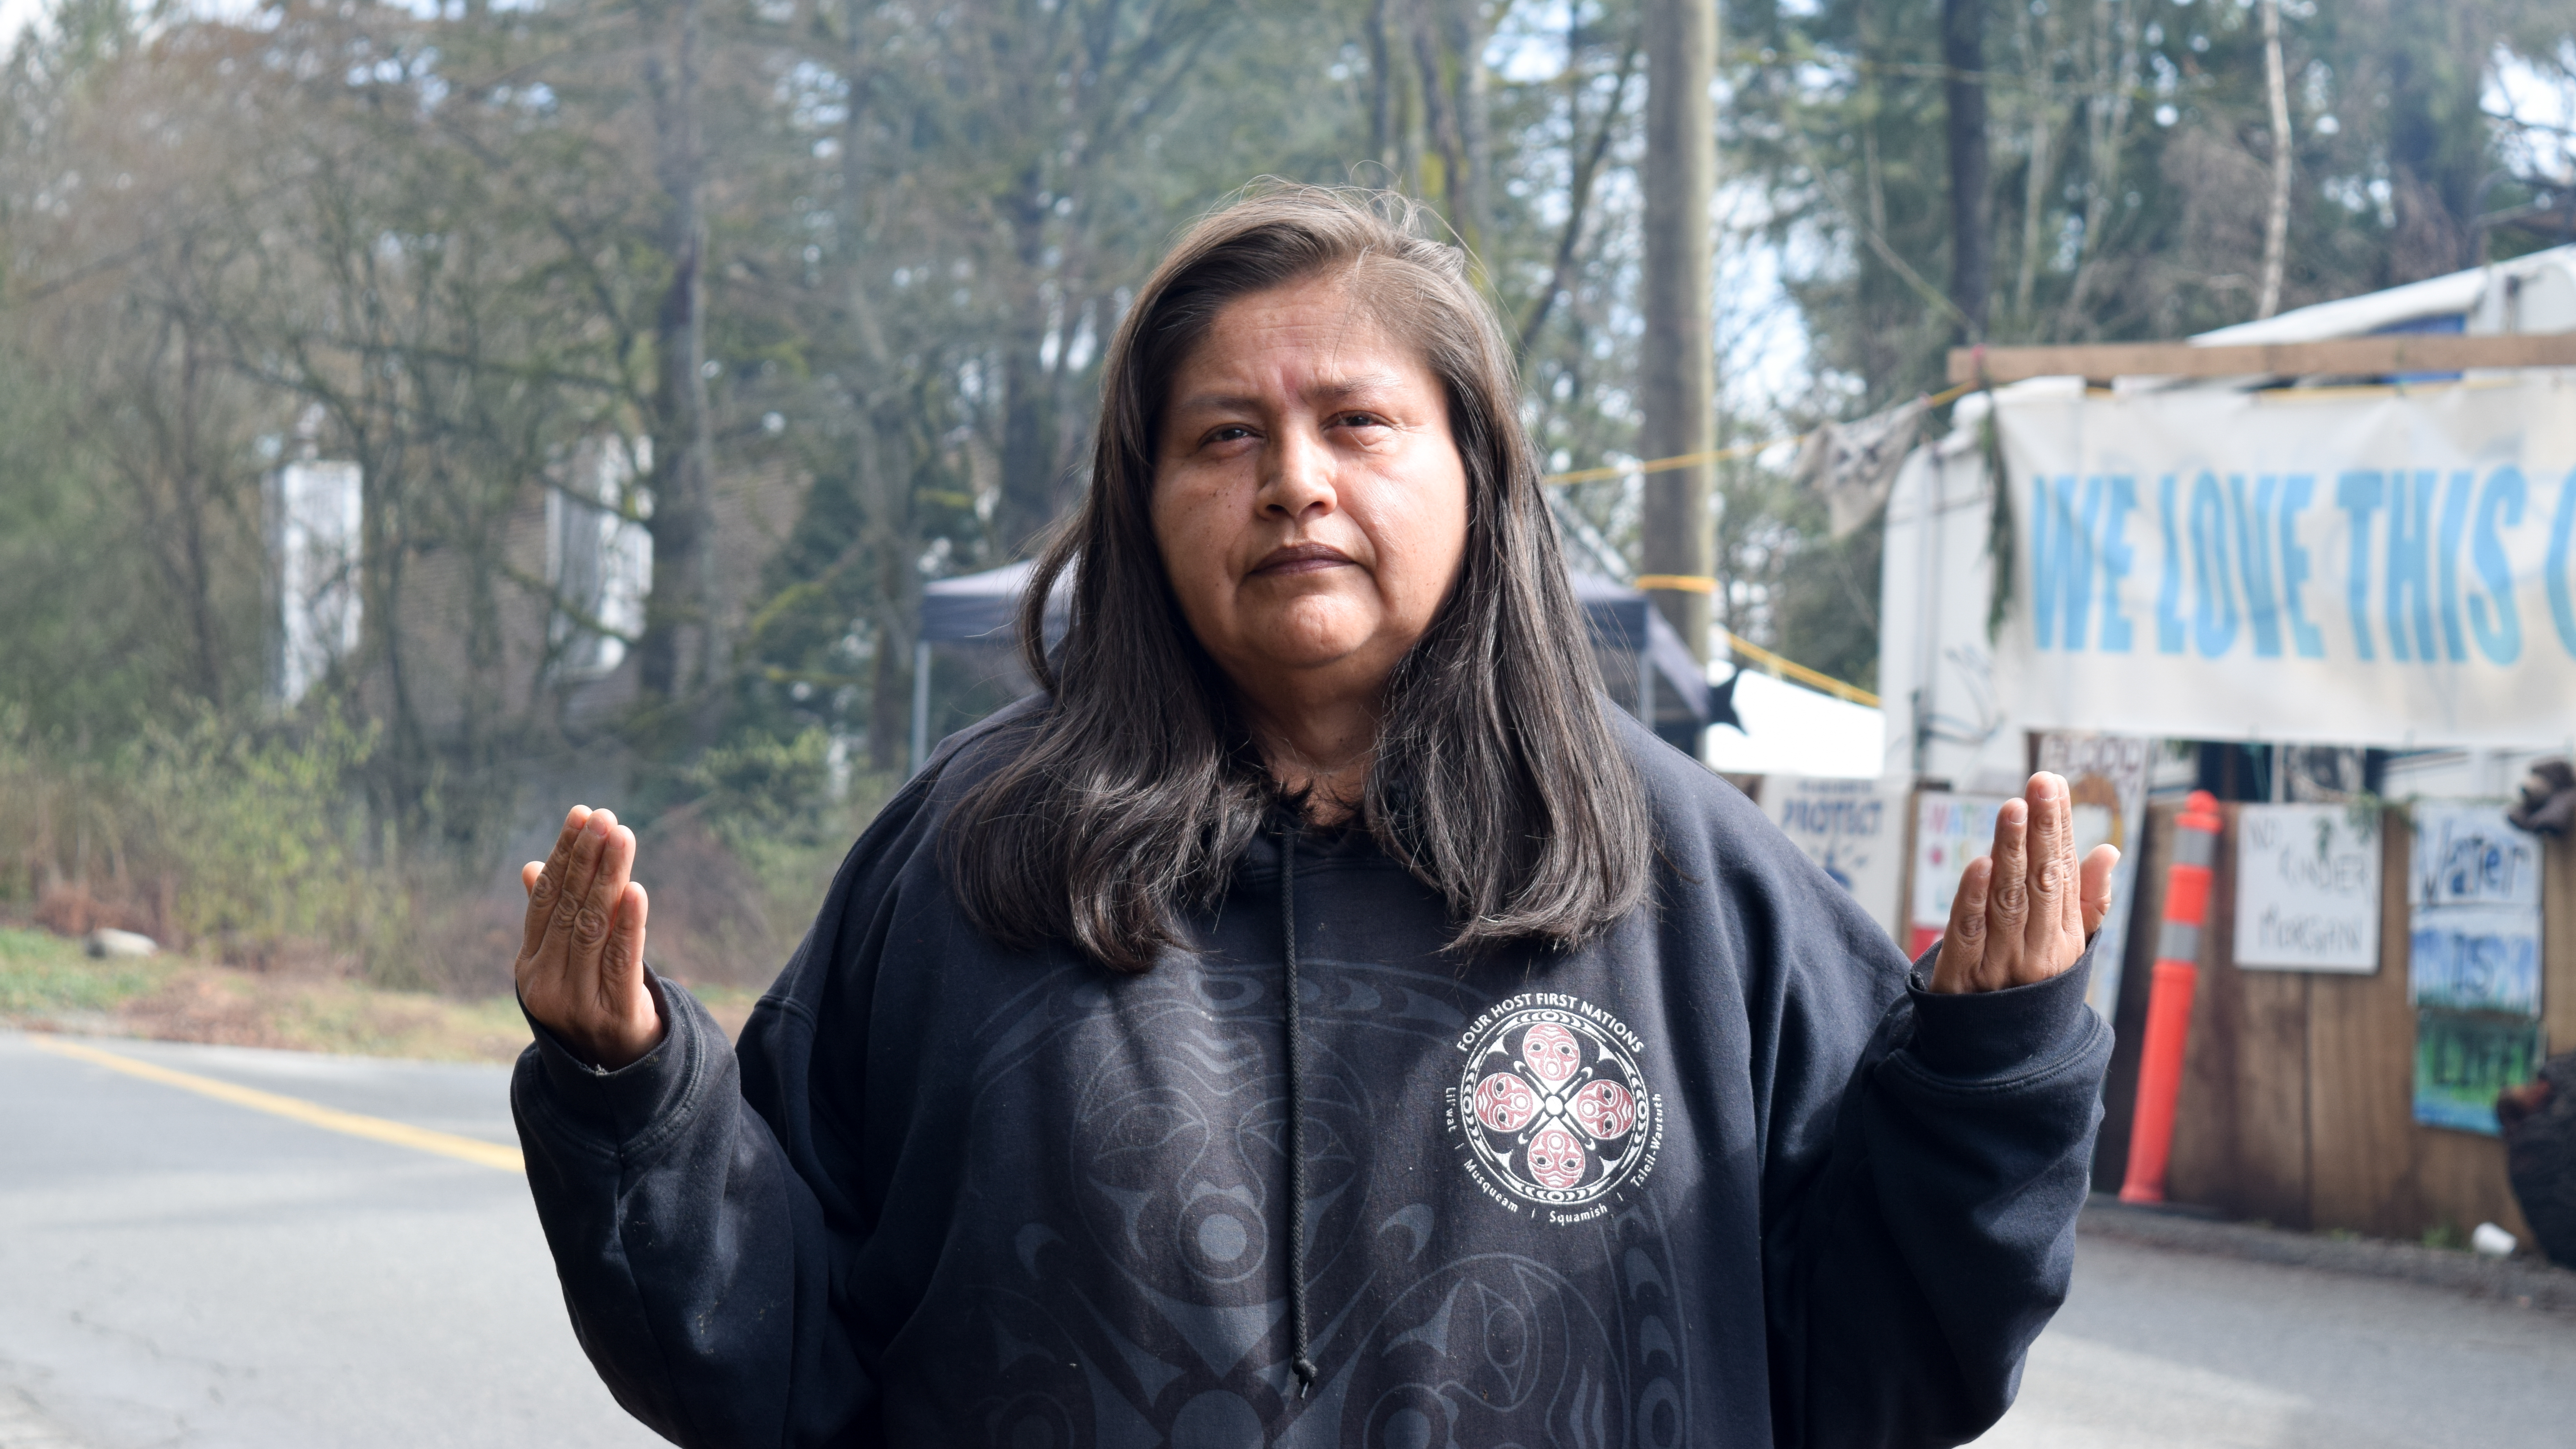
x=1308, y=497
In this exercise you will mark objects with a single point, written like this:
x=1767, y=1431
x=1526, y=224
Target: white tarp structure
x=315, y=513
x=1789, y=729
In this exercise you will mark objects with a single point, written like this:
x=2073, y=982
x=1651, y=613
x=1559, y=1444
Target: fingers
x=529, y=875
x=2053, y=904
x=621, y=972
x=1959, y=967
x=2098, y=866
x=610, y=850
x=547, y=888
x=2008, y=901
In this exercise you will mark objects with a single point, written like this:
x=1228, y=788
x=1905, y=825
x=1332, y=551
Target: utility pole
x=1963, y=86
x=1678, y=371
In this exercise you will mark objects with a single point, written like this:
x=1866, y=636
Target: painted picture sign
x=2307, y=888
x=2473, y=961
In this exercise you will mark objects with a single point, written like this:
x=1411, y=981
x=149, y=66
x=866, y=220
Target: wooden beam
x=2340, y=357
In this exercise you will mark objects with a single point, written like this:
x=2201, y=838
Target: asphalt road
x=185, y=1272
x=2167, y=1350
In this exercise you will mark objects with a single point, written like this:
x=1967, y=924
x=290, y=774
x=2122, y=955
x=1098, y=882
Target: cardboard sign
x=1855, y=829
x=2307, y=888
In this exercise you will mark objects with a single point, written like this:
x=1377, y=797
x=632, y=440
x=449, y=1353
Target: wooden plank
x=2463, y=1185
x=2558, y=943
x=2272, y=1064
x=2338, y=357
x=2241, y=1126
x=2203, y=1166
x=2361, y=1074
x=2137, y=980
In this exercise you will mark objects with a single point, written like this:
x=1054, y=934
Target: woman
x=1319, y=1017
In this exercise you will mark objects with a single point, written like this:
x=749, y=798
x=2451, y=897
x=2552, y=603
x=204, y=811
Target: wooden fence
x=2298, y=1087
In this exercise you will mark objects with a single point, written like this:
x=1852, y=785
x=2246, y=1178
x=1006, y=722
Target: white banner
x=2352, y=565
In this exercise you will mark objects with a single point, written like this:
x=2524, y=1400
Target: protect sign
x=2360, y=565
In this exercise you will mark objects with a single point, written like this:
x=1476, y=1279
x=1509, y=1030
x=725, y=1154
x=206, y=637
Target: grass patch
x=44, y=974
x=49, y=982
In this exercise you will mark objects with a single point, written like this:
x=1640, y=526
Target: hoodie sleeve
x=695, y=1260
x=708, y=1206
x=1920, y=1197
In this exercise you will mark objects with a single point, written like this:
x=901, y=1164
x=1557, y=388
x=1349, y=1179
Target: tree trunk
x=677, y=645
x=1473, y=190
x=2276, y=225
x=1677, y=371
x=1384, y=94
x=1028, y=501
x=1963, y=85
x=1444, y=164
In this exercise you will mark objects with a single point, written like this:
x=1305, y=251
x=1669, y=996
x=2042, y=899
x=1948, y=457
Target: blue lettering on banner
x=2169, y=593
x=2213, y=614
x=2254, y=557
x=2359, y=494
x=2410, y=538
x=2296, y=491
x=2070, y=544
x=2455, y=523
x=2500, y=640
x=2562, y=608
x=2061, y=564
x=2114, y=552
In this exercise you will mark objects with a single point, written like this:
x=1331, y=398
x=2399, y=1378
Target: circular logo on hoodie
x=1551, y=1112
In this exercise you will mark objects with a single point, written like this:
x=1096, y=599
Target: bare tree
x=2276, y=224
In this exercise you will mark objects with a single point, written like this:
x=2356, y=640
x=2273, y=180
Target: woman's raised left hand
x=2023, y=913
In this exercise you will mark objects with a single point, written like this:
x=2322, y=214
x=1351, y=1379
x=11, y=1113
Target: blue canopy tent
x=1644, y=664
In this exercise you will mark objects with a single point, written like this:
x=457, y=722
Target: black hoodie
x=1723, y=1177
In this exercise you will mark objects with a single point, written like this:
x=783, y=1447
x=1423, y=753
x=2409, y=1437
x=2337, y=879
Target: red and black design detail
x=1551, y=1109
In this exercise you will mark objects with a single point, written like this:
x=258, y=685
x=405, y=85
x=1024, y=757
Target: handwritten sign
x=2473, y=961
x=1855, y=829
x=2307, y=888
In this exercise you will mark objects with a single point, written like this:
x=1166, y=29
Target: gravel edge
x=2523, y=1280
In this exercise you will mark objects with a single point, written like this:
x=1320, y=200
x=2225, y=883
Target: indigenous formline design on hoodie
x=1722, y=1177
x=1552, y=1110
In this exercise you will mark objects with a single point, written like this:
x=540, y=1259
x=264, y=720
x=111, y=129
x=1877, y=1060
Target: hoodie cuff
x=1978, y=1035
x=622, y=1104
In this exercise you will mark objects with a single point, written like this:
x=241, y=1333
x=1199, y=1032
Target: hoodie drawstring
x=1298, y=1362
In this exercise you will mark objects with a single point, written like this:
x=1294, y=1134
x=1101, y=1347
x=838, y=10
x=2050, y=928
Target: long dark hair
x=1496, y=779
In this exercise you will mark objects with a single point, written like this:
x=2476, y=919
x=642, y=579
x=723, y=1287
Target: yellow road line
x=296, y=1109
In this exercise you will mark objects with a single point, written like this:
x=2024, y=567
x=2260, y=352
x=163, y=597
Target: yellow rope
x=1716, y=455
x=1815, y=678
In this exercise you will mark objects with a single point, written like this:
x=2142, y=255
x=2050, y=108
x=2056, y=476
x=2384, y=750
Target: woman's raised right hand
x=581, y=961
